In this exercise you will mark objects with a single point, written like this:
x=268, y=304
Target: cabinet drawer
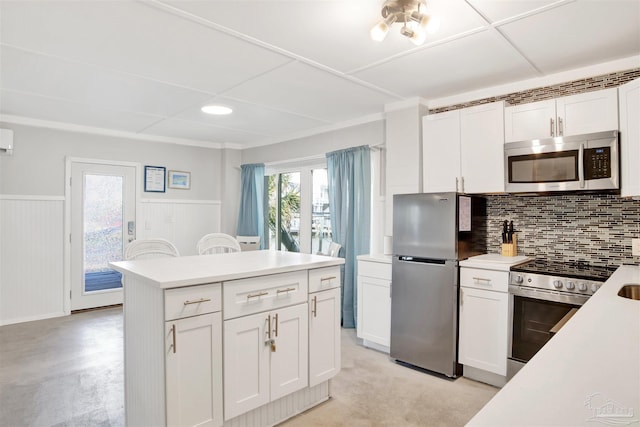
x=484, y=279
x=249, y=296
x=324, y=278
x=380, y=270
x=192, y=301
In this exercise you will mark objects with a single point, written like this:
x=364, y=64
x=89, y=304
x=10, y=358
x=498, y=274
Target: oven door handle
x=581, y=165
x=547, y=295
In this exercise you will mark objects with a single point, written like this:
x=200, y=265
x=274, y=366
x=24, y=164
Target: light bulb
x=433, y=25
x=418, y=37
x=379, y=31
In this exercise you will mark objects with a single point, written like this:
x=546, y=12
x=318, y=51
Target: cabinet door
x=441, y=151
x=483, y=330
x=530, y=121
x=587, y=112
x=246, y=366
x=482, y=148
x=374, y=308
x=194, y=371
x=290, y=357
x=324, y=335
x=629, y=95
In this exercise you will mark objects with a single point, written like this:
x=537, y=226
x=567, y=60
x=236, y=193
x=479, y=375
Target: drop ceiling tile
x=252, y=118
x=333, y=33
x=137, y=38
x=497, y=10
x=474, y=62
x=187, y=129
x=56, y=110
x=21, y=71
x=578, y=34
x=308, y=91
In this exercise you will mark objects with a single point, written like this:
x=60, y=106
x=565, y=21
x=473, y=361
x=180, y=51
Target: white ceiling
x=287, y=68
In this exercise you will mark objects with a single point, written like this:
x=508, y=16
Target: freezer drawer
x=424, y=301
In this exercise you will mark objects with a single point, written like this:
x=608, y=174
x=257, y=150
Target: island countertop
x=175, y=272
x=588, y=374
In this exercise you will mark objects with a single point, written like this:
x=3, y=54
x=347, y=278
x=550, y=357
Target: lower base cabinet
x=374, y=304
x=193, y=371
x=324, y=335
x=266, y=357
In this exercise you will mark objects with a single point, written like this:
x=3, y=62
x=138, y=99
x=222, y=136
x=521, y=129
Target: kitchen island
x=588, y=374
x=249, y=338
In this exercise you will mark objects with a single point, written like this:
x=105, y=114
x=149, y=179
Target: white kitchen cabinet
x=324, y=335
x=194, y=370
x=374, y=302
x=463, y=150
x=569, y=115
x=484, y=320
x=629, y=98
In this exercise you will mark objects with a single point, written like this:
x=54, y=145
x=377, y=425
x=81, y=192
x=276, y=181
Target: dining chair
x=150, y=248
x=333, y=250
x=217, y=243
x=249, y=243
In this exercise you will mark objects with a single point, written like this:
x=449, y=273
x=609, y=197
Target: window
x=297, y=215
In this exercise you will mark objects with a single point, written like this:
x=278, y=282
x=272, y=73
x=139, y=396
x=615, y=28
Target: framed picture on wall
x=154, y=179
x=180, y=180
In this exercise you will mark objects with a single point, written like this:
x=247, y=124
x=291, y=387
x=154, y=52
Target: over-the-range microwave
x=587, y=162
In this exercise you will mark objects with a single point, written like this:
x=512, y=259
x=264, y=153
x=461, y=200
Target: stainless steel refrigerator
x=431, y=233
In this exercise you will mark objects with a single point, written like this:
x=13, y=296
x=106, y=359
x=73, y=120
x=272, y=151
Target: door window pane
x=103, y=222
x=284, y=211
x=320, y=219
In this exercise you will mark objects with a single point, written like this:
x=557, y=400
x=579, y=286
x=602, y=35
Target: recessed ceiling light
x=219, y=110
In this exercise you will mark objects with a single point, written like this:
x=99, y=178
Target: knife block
x=510, y=249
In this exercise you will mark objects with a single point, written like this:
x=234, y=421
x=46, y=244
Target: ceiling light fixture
x=416, y=23
x=218, y=110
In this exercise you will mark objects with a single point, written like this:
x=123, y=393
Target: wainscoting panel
x=31, y=258
x=183, y=222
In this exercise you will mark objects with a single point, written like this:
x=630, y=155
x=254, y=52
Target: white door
x=441, y=151
x=484, y=330
x=289, y=357
x=374, y=306
x=246, y=367
x=587, y=112
x=102, y=223
x=530, y=121
x=324, y=335
x=630, y=138
x=194, y=368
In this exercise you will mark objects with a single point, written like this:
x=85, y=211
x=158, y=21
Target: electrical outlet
x=635, y=247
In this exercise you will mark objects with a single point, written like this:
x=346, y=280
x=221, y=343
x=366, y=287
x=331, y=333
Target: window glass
x=320, y=219
x=284, y=211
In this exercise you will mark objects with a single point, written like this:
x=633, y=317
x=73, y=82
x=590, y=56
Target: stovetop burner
x=571, y=269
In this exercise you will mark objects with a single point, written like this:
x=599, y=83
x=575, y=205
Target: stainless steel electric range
x=543, y=295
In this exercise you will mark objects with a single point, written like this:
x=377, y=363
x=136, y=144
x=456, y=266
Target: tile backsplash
x=592, y=227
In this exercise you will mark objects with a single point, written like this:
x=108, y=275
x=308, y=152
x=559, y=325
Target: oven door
x=534, y=317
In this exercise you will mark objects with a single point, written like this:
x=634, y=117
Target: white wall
x=32, y=198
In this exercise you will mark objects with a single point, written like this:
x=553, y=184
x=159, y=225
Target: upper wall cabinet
x=463, y=150
x=570, y=115
x=629, y=95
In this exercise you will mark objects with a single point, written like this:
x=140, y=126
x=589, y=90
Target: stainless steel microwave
x=572, y=163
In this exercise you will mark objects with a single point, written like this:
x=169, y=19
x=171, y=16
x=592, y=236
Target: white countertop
x=376, y=258
x=493, y=261
x=193, y=270
x=588, y=369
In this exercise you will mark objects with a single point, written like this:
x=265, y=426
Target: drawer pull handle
x=327, y=278
x=276, y=329
x=173, y=333
x=314, y=310
x=258, y=295
x=279, y=291
x=482, y=279
x=197, y=301
x=269, y=326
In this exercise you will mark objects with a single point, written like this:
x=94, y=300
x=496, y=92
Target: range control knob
x=518, y=278
x=595, y=287
x=571, y=285
x=557, y=284
x=582, y=286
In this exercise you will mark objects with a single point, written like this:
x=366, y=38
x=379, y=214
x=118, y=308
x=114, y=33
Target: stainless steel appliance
x=543, y=296
x=571, y=163
x=431, y=232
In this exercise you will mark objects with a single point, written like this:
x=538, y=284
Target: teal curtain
x=251, y=216
x=349, y=180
